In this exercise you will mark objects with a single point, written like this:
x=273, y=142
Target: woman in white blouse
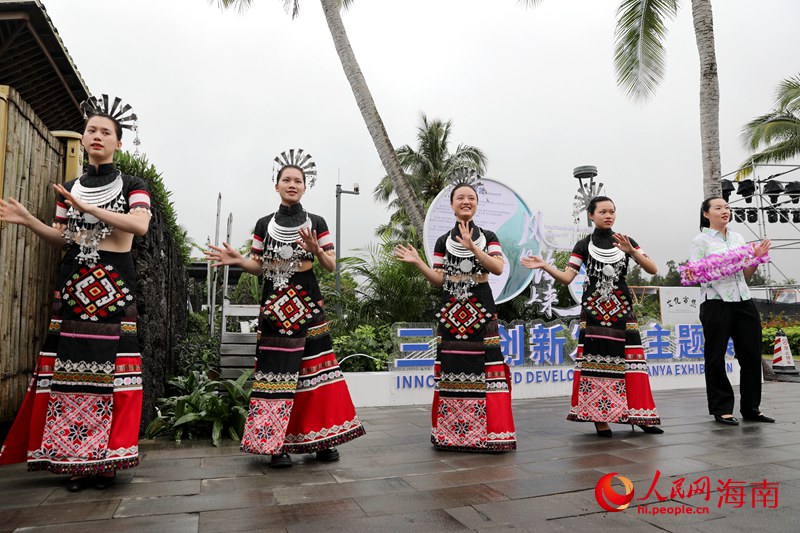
x=727, y=311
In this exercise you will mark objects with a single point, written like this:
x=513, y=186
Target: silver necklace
x=460, y=275
x=282, y=254
x=606, y=266
x=88, y=230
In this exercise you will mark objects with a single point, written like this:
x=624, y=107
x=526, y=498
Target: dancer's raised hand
x=308, y=241
x=465, y=237
x=14, y=212
x=533, y=261
x=623, y=242
x=225, y=255
x=71, y=200
x=406, y=254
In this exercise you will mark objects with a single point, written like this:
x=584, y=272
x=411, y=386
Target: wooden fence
x=31, y=160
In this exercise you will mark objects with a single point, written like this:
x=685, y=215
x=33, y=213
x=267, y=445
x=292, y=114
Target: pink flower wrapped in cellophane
x=718, y=266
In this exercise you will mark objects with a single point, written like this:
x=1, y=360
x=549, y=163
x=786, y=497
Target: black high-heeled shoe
x=602, y=432
x=652, y=430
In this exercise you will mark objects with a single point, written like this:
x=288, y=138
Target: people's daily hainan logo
x=684, y=496
x=607, y=496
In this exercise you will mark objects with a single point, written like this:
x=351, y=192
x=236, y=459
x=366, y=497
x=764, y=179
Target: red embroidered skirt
x=82, y=410
x=300, y=402
x=472, y=395
x=611, y=381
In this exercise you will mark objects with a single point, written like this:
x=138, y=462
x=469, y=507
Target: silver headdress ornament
x=117, y=111
x=296, y=157
x=467, y=176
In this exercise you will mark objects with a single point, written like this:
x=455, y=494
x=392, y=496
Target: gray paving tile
x=177, y=523
x=337, y=491
x=279, y=516
x=128, y=490
x=63, y=513
x=433, y=521
x=193, y=503
x=427, y=500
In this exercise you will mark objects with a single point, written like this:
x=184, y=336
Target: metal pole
x=762, y=224
x=339, y=192
x=338, y=244
x=225, y=275
x=209, y=274
x=213, y=288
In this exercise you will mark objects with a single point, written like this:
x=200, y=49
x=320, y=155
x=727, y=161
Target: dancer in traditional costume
x=82, y=410
x=472, y=396
x=300, y=402
x=611, y=381
x=727, y=312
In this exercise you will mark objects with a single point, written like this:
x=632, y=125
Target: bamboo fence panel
x=32, y=160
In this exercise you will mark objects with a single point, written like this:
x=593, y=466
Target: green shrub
x=768, y=339
x=373, y=341
x=139, y=166
x=200, y=408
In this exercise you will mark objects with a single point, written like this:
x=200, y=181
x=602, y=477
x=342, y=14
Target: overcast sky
x=219, y=94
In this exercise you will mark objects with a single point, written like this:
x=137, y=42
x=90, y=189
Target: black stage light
x=752, y=216
x=727, y=189
x=773, y=189
x=784, y=214
x=793, y=190
x=772, y=215
x=746, y=190
x=739, y=214
x=796, y=216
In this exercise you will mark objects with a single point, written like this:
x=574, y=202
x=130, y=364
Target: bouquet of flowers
x=718, y=266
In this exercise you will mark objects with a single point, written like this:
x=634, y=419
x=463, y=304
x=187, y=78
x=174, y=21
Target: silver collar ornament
x=606, y=265
x=282, y=255
x=88, y=230
x=461, y=268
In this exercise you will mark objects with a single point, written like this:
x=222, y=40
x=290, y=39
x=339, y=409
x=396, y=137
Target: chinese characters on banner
x=555, y=343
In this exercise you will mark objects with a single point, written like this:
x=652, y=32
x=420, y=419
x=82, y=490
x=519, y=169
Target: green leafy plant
x=366, y=339
x=768, y=339
x=202, y=407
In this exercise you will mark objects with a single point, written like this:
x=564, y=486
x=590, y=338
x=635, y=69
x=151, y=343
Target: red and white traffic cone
x=782, y=361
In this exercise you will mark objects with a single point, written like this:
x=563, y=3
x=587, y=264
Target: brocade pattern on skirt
x=300, y=402
x=611, y=383
x=83, y=406
x=472, y=396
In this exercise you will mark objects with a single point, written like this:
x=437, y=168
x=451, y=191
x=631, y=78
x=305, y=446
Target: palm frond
x=292, y=7
x=639, y=54
x=788, y=94
x=238, y=5
x=531, y=3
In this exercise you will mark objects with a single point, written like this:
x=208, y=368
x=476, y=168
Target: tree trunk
x=709, y=96
x=369, y=112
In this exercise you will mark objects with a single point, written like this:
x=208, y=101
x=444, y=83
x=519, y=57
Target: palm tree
x=369, y=112
x=430, y=168
x=777, y=133
x=639, y=61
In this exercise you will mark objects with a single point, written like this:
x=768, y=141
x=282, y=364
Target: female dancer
x=299, y=402
x=611, y=382
x=727, y=311
x=82, y=410
x=472, y=399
